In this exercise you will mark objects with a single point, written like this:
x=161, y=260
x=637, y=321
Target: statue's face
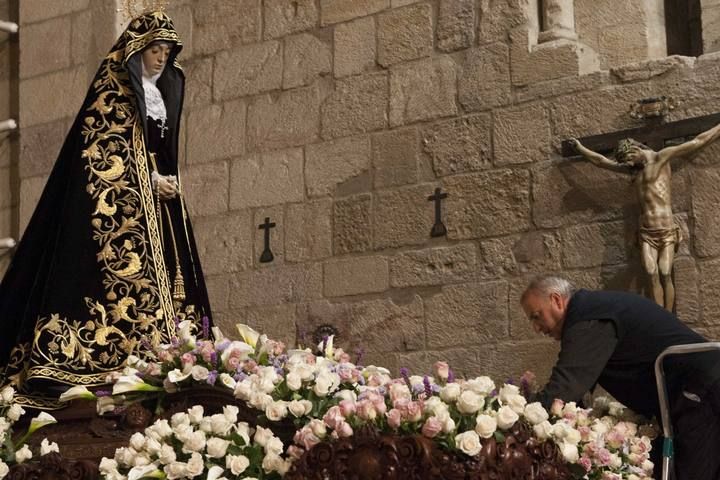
x=155, y=57
x=636, y=157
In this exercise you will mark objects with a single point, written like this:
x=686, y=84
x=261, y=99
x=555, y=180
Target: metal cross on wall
x=267, y=255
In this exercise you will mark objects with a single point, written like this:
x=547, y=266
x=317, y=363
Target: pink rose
x=586, y=463
x=557, y=407
x=295, y=452
x=187, y=359
x=366, y=410
x=414, y=411
x=394, y=417
x=347, y=407
x=333, y=417
x=306, y=438
x=432, y=427
x=343, y=429
x=441, y=371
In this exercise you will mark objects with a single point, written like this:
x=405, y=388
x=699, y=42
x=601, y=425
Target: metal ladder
x=668, y=450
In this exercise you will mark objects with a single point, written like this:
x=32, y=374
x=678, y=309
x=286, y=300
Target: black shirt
x=613, y=339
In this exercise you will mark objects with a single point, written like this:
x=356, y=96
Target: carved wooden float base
x=369, y=455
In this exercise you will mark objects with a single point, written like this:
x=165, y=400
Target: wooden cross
x=438, y=229
x=655, y=136
x=267, y=255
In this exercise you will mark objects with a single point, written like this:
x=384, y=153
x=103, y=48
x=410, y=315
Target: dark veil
x=90, y=281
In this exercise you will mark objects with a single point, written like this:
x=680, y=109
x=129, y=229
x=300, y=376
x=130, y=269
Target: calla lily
x=40, y=421
x=133, y=384
x=244, y=348
x=77, y=392
x=177, y=376
x=214, y=473
x=145, y=471
x=248, y=335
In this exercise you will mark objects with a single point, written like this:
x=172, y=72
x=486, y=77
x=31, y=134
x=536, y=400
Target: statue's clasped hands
x=166, y=186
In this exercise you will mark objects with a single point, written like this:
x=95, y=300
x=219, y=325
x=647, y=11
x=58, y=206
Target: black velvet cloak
x=95, y=276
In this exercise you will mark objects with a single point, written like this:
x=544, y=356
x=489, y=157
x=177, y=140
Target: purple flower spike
x=102, y=393
x=360, y=352
x=451, y=376
x=213, y=358
x=206, y=327
x=212, y=377
x=428, y=387
x=405, y=373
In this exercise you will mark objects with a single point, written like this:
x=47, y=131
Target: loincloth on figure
x=659, y=238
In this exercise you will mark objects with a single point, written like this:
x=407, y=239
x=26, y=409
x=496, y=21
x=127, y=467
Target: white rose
x=125, y=456
x=162, y=427
x=318, y=428
x=293, y=381
x=199, y=373
x=262, y=435
x=517, y=403
x=107, y=465
x=506, y=417
x=196, y=465
x=600, y=427
x=450, y=392
x=219, y=424
x=47, y=447
x=15, y=412
x=296, y=407
x=4, y=469
x=175, y=470
x=345, y=395
x=485, y=425
x=468, y=443
x=535, y=413
x=137, y=441
x=560, y=430
x=507, y=391
x=243, y=389
x=569, y=452
x=276, y=411
x=543, y=430
x=446, y=420
x=167, y=454
x=179, y=418
x=142, y=459
x=243, y=429
x=325, y=383
x=647, y=465
x=615, y=460
x=7, y=395
x=573, y=436
x=274, y=463
x=152, y=446
x=274, y=445
x=470, y=402
x=230, y=412
x=195, y=442
x=23, y=454
x=480, y=385
x=217, y=447
x=616, y=409
x=237, y=463
x=195, y=414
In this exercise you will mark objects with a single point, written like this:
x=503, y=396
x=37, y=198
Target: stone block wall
x=338, y=118
x=8, y=140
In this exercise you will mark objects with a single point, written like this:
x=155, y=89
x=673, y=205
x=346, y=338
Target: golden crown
x=135, y=8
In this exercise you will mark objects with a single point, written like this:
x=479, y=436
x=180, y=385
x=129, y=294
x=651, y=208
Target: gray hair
x=549, y=284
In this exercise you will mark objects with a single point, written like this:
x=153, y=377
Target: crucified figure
x=659, y=234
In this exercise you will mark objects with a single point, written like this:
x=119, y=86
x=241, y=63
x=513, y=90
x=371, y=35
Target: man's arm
x=690, y=148
x=585, y=350
x=597, y=159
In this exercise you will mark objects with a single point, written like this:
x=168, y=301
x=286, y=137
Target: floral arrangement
x=14, y=452
x=328, y=397
x=192, y=445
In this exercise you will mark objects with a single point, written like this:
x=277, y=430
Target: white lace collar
x=154, y=103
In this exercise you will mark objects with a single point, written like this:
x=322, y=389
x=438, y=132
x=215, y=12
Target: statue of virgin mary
x=108, y=263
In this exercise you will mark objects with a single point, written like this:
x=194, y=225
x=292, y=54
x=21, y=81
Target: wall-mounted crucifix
x=267, y=255
x=645, y=154
x=438, y=228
